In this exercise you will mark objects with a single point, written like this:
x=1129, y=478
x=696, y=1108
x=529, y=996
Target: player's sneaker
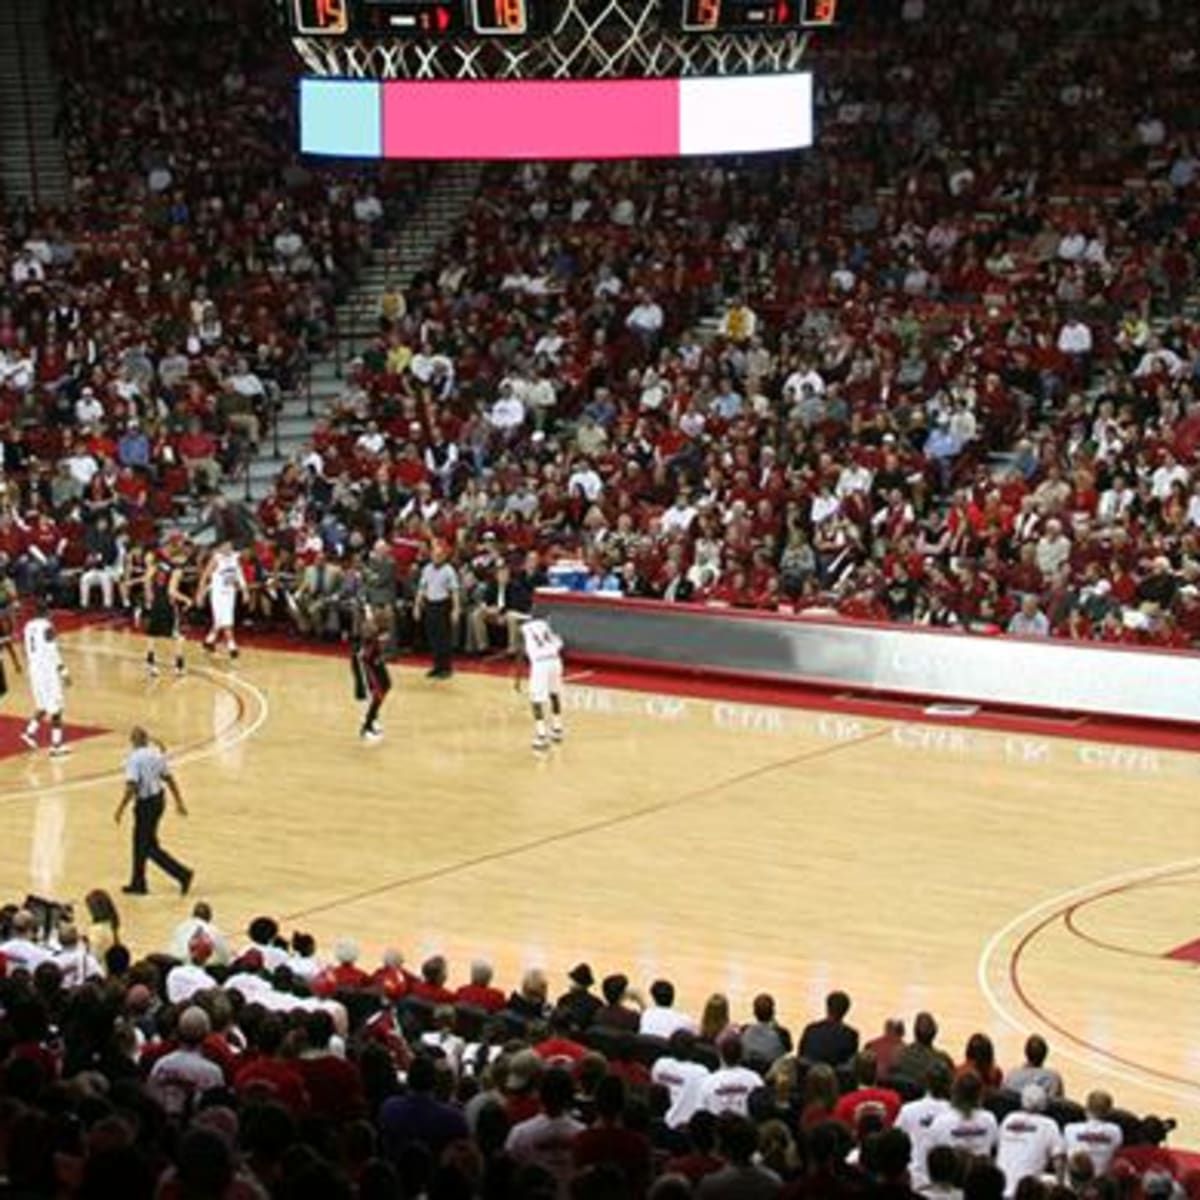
x=151, y=671
x=373, y=734
x=180, y=670
x=29, y=740
x=541, y=743
x=209, y=648
x=557, y=735
x=60, y=751
x=233, y=655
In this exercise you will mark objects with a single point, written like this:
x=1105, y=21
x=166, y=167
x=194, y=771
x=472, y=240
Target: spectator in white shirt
x=679, y=516
x=682, y=1077
x=371, y=439
x=88, y=410
x=1053, y=548
x=20, y=951
x=507, y=415
x=546, y=1139
x=1029, y=1141
x=967, y=1127
x=1029, y=620
x=916, y=1118
x=201, y=921
x=584, y=481
x=662, y=1018
x=75, y=962
x=180, y=1078
x=27, y=269
x=645, y=319
x=728, y=1089
x=190, y=977
x=1097, y=1136
x=1075, y=338
x=1166, y=475
x=1072, y=245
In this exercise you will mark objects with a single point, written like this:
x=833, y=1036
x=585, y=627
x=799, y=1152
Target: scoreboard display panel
x=751, y=16
x=417, y=18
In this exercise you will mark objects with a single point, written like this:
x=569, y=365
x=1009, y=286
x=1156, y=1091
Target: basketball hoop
x=592, y=39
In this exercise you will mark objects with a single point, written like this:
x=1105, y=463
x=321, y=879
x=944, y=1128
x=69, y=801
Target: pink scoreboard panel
x=548, y=119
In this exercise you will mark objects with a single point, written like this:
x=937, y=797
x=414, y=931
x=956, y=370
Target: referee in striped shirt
x=438, y=600
x=146, y=776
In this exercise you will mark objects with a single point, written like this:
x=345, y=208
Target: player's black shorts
x=161, y=621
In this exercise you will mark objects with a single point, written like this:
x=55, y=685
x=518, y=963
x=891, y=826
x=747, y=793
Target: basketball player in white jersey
x=543, y=649
x=48, y=676
x=224, y=581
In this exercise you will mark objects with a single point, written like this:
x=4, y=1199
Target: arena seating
x=259, y=1063
x=946, y=361
x=148, y=331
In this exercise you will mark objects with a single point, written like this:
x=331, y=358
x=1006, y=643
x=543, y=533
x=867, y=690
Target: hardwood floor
x=1008, y=883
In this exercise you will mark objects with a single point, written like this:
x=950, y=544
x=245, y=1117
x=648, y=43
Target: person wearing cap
x=181, y=1078
x=1097, y=1135
x=190, y=977
x=580, y=1002
x=438, y=605
x=201, y=921
x=1030, y=1143
x=146, y=775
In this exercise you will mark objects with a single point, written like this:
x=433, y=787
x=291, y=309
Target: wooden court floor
x=1008, y=883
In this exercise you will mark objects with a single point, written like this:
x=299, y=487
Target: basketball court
x=1006, y=881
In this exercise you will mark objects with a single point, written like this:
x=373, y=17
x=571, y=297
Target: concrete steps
x=33, y=165
x=409, y=251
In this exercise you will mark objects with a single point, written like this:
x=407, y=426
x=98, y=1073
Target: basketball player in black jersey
x=162, y=587
x=372, y=680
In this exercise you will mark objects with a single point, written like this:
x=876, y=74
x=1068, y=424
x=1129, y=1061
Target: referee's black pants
x=439, y=634
x=146, y=815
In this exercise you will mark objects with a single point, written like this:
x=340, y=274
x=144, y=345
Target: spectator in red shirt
x=866, y=1096
x=432, y=984
x=266, y=1075
x=334, y=1085
x=479, y=992
x=609, y=1141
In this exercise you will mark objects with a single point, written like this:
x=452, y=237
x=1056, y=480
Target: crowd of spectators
x=150, y=325
x=950, y=377
x=258, y=1066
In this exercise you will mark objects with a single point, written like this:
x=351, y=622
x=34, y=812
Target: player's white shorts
x=545, y=679
x=47, y=690
x=222, y=605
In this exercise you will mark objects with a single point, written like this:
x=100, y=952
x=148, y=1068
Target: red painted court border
x=1059, y=914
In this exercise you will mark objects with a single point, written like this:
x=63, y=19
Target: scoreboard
x=748, y=16
x=519, y=18
x=417, y=18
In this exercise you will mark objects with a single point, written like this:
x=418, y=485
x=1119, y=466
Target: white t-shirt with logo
x=973, y=1133
x=1028, y=1141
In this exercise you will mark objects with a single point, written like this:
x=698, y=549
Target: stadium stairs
x=33, y=165
x=405, y=252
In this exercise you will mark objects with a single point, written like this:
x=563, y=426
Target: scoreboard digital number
x=749, y=16
x=415, y=18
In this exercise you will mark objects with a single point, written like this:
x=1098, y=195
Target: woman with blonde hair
x=715, y=1019
x=820, y=1095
